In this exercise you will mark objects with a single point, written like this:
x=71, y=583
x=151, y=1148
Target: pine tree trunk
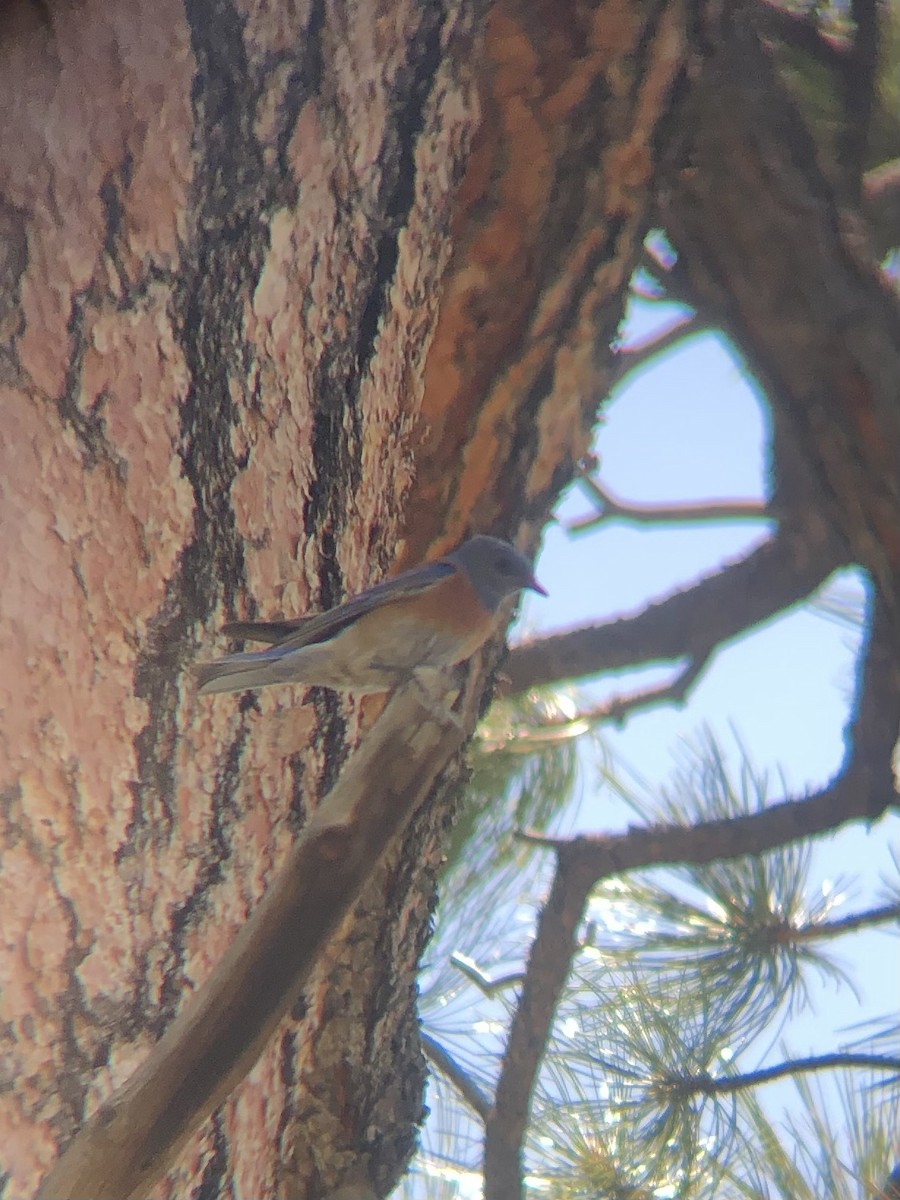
x=289, y=297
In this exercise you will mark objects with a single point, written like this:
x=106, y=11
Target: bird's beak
x=536, y=587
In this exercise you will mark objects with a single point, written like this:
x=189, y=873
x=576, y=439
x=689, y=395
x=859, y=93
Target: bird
x=426, y=619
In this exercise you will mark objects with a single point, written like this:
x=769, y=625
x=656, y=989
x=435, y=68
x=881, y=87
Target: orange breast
x=453, y=606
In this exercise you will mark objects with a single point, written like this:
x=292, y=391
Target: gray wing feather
x=291, y=635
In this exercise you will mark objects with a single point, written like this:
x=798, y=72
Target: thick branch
x=846, y=799
x=865, y=786
x=218, y=1036
x=687, y=624
x=548, y=967
x=759, y=230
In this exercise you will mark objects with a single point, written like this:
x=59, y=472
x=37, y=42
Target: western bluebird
x=430, y=617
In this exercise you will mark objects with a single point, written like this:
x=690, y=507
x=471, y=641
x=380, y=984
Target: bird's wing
x=304, y=631
x=264, y=631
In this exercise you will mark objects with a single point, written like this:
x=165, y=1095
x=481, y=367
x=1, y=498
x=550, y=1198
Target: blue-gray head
x=496, y=569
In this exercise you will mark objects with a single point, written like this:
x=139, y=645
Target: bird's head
x=495, y=568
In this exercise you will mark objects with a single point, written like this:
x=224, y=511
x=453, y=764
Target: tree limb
x=217, y=1037
x=797, y=286
x=863, y=787
x=690, y=623
x=548, y=966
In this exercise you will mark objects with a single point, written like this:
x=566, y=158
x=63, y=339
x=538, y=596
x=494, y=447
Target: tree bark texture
x=290, y=294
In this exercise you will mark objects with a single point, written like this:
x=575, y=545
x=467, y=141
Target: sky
x=693, y=428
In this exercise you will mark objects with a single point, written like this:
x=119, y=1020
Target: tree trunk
x=272, y=323
x=288, y=300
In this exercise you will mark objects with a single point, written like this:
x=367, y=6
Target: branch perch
x=212, y=1044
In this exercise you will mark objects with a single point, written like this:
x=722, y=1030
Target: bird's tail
x=237, y=672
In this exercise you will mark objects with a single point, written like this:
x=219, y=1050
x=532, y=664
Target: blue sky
x=693, y=428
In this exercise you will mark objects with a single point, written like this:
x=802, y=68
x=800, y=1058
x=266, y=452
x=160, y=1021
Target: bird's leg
x=439, y=709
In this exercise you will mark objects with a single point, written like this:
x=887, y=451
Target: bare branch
x=849, y=924
x=527, y=741
x=864, y=787
x=692, y=623
x=440, y=1058
x=636, y=354
x=216, y=1039
x=846, y=799
x=706, y=1085
x=485, y=983
x=548, y=966
x=674, y=692
x=610, y=508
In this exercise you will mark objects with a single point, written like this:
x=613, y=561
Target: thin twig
x=632, y=355
x=848, y=924
x=487, y=984
x=611, y=507
x=461, y=1080
x=675, y=692
x=706, y=1085
x=614, y=710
